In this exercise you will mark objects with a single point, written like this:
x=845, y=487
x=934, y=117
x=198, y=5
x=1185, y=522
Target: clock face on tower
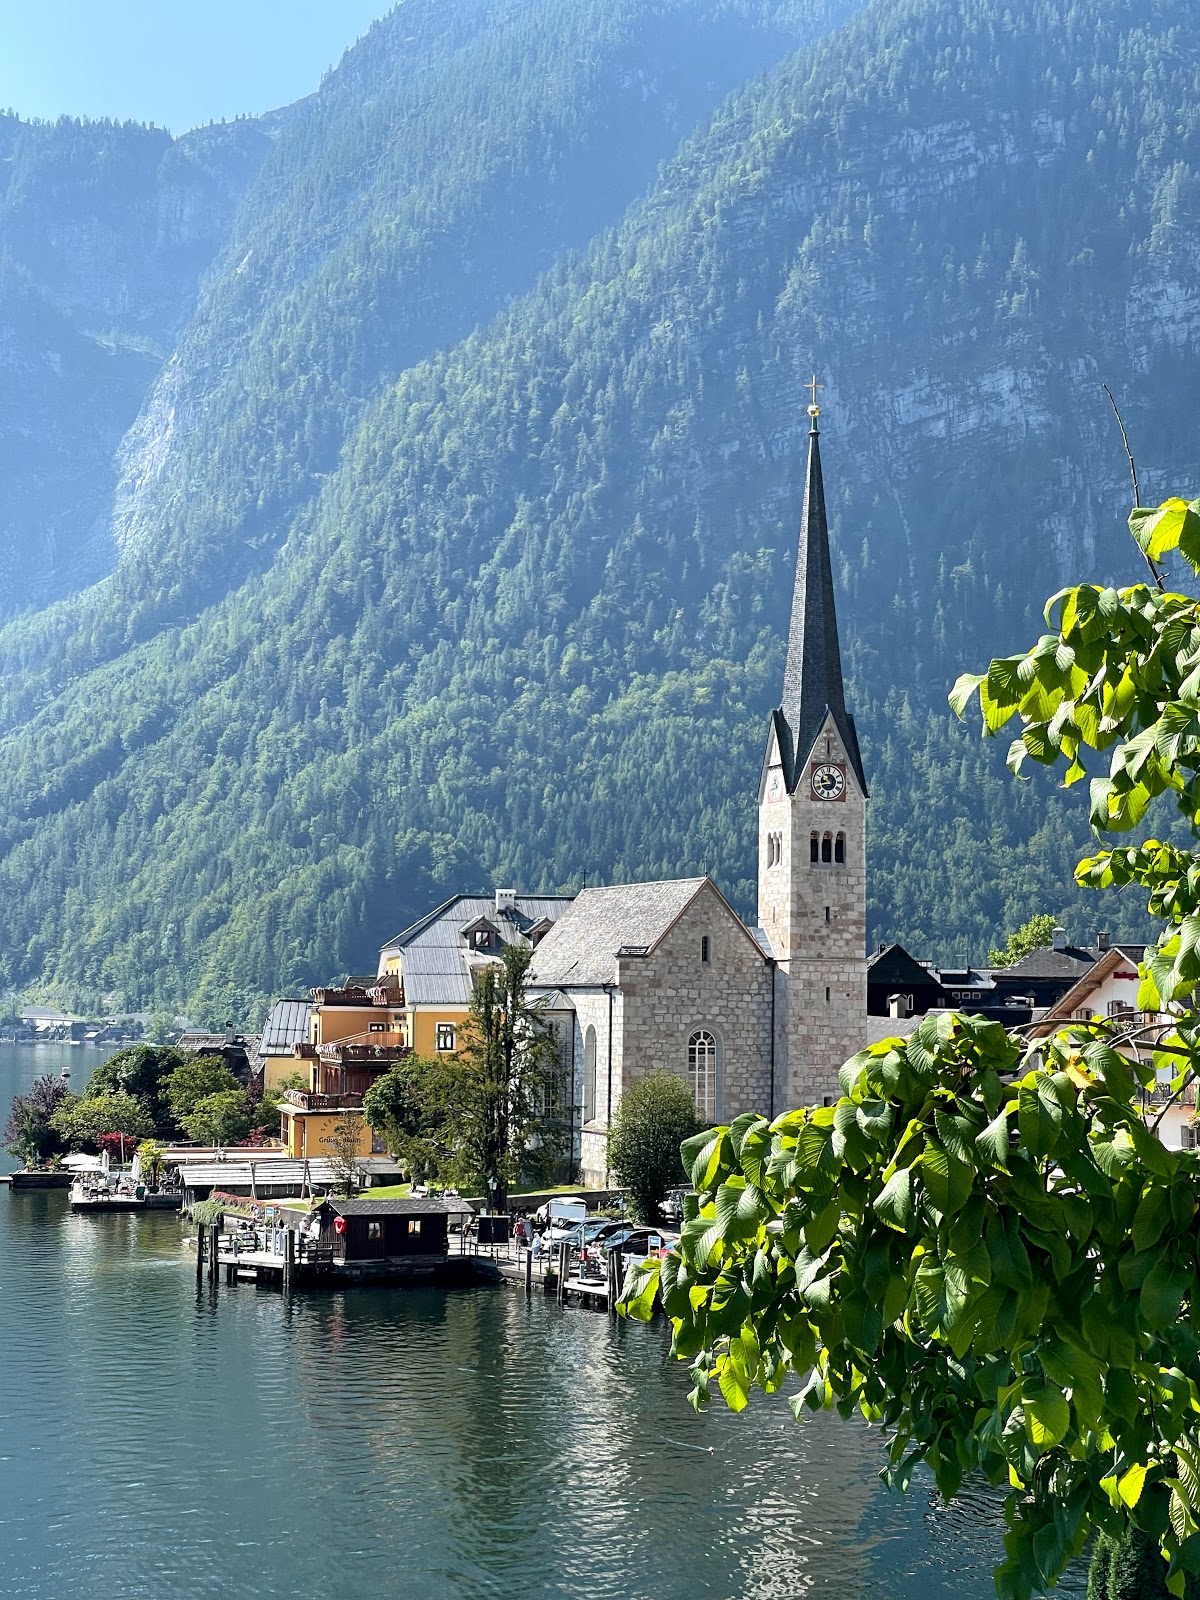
x=775, y=785
x=828, y=783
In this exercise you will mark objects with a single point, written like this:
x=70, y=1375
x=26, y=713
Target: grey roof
x=434, y=954
x=415, y=1206
x=876, y=1029
x=581, y=948
x=287, y=1024
x=763, y=940
x=437, y=974
x=812, y=679
x=1072, y=962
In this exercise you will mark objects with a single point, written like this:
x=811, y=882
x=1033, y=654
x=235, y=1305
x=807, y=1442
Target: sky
x=178, y=63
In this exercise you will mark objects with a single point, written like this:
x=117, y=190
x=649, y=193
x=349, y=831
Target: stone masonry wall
x=672, y=993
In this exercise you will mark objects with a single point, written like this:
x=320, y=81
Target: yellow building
x=339, y=1076
x=304, y=1132
x=434, y=963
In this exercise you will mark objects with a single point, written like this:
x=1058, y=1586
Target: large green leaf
x=894, y=1203
x=947, y=1179
x=1047, y=1415
x=1039, y=1115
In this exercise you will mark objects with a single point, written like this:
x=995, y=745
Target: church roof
x=812, y=679
x=582, y=947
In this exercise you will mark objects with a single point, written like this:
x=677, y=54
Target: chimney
x=229, y=1033
x=1060, y=939
x=1102, y=940
x=898, y=1006
x=506, y=900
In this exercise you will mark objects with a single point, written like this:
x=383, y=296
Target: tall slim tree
x=510, y=1059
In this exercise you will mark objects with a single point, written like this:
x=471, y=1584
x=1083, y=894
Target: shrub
x=653, y=1119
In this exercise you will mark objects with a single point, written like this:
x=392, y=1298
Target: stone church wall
x=673, y=992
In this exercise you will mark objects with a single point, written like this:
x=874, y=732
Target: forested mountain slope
x=457, y=152
x=105, y=232
x=531, y=623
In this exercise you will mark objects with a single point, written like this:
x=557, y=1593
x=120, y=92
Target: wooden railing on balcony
x=306, y=1100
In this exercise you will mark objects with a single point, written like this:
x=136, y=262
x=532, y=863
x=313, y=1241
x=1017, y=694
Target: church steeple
x=812, y=679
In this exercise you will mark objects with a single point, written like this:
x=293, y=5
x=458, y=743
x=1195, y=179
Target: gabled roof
x=812, y=678
x=1047, y=963
x=585, y=945
x=893, y=964
x=1080, y=992
x=434, y=958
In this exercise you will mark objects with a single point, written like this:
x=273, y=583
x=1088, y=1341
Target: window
x=702, y=1072
x=827, y=849
x=414, y=1224
x=839, y=850
x=826, y=994
x=374, y=1232
x=378, y=1027
x=481, y=939
x=814, y=849
x=1188, y=1136
x=774, y=849
x=705, y=948
x=828, y=917
x=446, y=1032
x=589, y=1075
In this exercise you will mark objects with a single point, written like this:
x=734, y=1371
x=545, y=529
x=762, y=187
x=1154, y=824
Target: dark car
x=633, y=1241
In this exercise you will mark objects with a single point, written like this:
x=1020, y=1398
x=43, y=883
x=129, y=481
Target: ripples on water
x=159, y=1442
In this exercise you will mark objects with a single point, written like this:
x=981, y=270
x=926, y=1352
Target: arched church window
x=814, y=849
x=702, y=1072
x=827, y=849
x=589, y=1075
x=839, y=850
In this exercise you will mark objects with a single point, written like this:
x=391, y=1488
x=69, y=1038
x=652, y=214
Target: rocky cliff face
x=106, y=232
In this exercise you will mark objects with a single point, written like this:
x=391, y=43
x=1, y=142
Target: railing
x=306, y=1100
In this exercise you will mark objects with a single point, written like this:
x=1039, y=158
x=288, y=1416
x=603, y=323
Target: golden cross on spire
x=812, y=385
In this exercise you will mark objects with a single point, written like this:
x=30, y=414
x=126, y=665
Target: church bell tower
x=812, y=829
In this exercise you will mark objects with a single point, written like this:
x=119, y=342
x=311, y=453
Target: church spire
x=812, y=679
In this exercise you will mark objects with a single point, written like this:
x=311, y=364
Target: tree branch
x=1137, y=493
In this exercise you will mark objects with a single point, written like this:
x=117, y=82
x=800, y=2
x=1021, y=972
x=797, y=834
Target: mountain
x=106, y=230
x=399, y=613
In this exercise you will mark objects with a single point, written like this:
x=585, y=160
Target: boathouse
x=380, y=1236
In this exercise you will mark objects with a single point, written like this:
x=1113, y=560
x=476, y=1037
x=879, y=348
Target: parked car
x=633, y=1242
x=592, y=1232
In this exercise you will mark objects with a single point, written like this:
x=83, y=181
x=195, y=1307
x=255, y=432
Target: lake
x=156, y=1441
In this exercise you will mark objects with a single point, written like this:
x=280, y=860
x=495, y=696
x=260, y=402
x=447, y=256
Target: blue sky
x=175, y=62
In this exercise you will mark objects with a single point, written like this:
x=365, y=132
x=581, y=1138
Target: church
x=666, y=976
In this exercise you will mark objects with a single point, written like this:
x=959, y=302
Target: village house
x=433, y=964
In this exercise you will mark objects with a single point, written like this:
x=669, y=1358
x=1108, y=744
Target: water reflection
x=159, y=1440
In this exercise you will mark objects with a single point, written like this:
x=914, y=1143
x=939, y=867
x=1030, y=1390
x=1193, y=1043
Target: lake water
x=156, y=1441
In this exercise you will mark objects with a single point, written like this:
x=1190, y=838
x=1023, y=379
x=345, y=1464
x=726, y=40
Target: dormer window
x=482, y=935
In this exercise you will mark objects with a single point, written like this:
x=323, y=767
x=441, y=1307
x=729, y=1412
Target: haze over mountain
x=456, y=532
